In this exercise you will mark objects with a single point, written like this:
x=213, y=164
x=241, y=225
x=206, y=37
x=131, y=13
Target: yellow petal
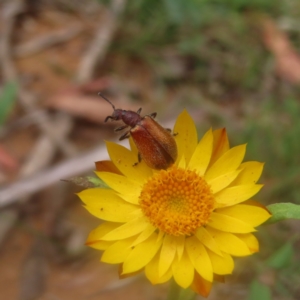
x=118, y=251
x=125, y=161
x=250, y=173
x=133, y=146
x=167, y=254
x=160, y=235
x=129, y=190
x=199, y=258
x=101, y=230
x=255, y=203
x=107, y=166
x=219, y=183
x=201, y=286
x=202, y=154
x=229, y=243
x=109, y=212
x=100, y=245
x=222, y=265
x=252, y=215
x=106, y=205
x=141, y=255
x=181, y=162
x=145, y=234
x=183, y=271
x=228, y=223
x=152, y=273
x=94, y=195
x=95, y=236
x=220, y=146
x=236, y=194
x=179, y=240
x=207, y=240
x=166, y=277
x=228, y=162
x=127, y=275
x=251, y=241
x=186, y=135
x=126, y=230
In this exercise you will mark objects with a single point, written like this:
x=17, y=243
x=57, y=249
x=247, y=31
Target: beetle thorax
x=130, y=118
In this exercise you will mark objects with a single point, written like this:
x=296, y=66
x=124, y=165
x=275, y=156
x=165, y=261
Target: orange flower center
x=177, y=201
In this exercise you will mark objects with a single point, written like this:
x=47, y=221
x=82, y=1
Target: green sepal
x=87, y=181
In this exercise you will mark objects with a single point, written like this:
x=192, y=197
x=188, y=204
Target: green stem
x=177, y=293
x=174, y=290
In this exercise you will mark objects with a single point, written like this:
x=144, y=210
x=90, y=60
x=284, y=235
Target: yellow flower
x=185, y=222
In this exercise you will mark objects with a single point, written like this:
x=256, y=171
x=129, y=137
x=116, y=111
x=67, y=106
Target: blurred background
x=233, y=64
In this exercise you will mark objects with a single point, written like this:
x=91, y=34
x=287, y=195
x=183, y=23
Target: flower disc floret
x=177, y=201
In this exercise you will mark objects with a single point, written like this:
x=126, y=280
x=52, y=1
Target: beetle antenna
x=101, y=95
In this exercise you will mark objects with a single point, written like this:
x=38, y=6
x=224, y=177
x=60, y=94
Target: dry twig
x=27, y=100
x=74, y=166
x=9, y=11
x=38, y=181
x=51, y=39
x=99, y=46
x=43, y=150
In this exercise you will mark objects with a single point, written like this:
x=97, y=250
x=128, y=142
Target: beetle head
x=117, y=114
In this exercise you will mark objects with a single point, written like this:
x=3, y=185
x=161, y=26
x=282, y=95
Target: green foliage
x=7, y=100
x=282, y=270
x=197, y=11
x=273, y=134
x=282, y=258
x=216, y=40
x=259, y=291
x=283, y=211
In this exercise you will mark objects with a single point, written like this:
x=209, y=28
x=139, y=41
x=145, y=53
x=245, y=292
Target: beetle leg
x=126, y=135
x=170, y=130
x=121, y=128
x=153, y=115
x=139, y=110
x=139, y=160
x=109, y=117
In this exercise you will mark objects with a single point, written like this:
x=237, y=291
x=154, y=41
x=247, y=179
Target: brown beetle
x=156, y=145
